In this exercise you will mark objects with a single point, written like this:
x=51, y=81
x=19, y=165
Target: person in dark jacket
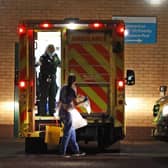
x=48, y=62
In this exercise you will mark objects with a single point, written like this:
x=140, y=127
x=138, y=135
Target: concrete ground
x=125, y=154
x=16, y=146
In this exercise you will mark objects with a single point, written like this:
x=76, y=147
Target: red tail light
x=120, y=29
x=22, y=84
x=21, y=29
x=96, y=25
x=120, y=84
x=45, y=25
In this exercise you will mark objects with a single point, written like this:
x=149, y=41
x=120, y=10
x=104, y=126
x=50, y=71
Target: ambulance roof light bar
x=96, y=25
x=72, y=23
x=46, y=25
x=72, y=26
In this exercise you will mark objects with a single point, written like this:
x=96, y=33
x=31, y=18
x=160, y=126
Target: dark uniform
x=47, y=83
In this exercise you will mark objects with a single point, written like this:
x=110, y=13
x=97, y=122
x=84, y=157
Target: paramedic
x=68, y=99
x=48, y=62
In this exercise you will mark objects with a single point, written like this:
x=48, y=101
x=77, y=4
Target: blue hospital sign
x=140, y=29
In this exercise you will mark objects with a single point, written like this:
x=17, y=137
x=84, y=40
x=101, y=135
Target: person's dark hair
x=71, y=79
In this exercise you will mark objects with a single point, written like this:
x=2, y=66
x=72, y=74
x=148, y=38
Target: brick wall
x=148, y=61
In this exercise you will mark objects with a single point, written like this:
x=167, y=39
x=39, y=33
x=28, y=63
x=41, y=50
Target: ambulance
x=91, y=49
x=160, y=116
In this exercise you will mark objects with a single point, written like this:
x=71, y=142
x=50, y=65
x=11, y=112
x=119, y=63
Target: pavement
x=16, y=146
x=9, y=147
x=120, y=155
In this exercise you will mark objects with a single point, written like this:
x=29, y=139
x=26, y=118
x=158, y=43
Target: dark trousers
x=48, y=91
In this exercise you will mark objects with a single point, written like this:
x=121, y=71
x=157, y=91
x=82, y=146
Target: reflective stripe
x=91, y=65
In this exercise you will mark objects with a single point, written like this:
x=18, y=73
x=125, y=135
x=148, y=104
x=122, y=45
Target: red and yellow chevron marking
x=90, y=62
x=98, y=104
x=95, y=63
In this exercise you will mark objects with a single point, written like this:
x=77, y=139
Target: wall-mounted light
x=155, y=2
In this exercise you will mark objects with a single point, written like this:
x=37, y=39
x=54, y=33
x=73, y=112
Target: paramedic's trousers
x=48, y=91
